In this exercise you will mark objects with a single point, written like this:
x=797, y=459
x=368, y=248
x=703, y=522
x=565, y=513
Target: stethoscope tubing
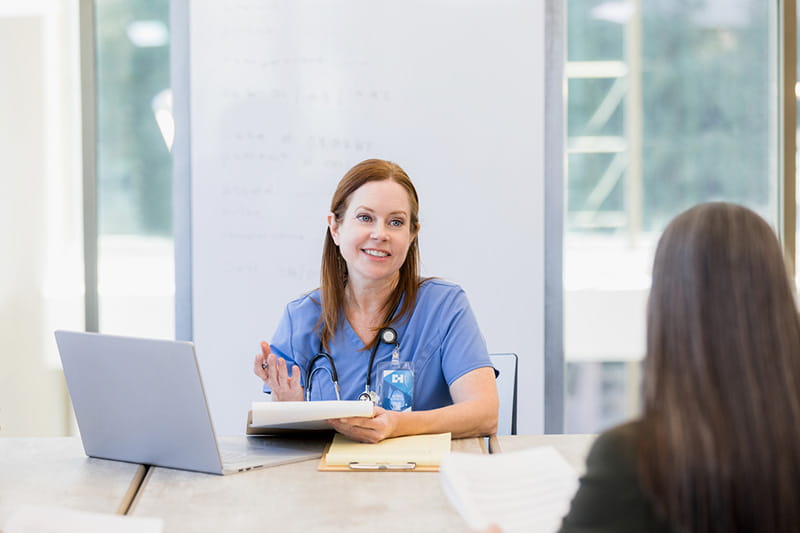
x=310, y=373
x=387, y=335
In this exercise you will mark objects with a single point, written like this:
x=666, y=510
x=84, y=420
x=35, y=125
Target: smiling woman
x=433, y=373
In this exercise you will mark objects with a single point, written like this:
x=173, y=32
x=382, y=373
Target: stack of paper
x=527, y=490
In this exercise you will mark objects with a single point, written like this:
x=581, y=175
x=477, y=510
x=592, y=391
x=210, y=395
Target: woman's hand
x=381, y=426
x=273, y=371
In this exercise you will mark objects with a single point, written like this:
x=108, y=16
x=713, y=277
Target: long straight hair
x=721, y=420
x=333, y=277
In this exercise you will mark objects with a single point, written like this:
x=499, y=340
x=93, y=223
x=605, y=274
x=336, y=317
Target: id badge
x=396, y=386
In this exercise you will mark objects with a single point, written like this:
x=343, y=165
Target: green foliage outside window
x=134, y=164
x=708, y=95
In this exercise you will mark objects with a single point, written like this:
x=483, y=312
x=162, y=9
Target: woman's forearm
x=471, y=418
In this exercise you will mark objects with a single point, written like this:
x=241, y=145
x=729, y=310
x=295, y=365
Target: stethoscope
x=386, y=335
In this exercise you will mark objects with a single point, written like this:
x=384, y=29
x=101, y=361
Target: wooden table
x=293, y=497
x=296, y=497
x=56, y=472
x=574, y=448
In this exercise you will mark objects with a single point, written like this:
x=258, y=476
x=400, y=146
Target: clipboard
x=417, y=453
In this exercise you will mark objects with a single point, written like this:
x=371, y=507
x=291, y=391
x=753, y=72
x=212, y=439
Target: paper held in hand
x=266, y=417
x=528, y=490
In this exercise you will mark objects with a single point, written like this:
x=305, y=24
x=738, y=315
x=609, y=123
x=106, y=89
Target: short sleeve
x=463, y=346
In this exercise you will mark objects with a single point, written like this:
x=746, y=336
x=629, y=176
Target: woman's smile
x=372, y=252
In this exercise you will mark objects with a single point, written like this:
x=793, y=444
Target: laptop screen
x=139, y=400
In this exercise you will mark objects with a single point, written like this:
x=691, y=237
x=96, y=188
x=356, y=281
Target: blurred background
x=668, y=103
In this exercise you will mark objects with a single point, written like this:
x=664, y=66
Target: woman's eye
x=396, y=223
x=364, y=218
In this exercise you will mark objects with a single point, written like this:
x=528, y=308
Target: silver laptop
x=142, y=401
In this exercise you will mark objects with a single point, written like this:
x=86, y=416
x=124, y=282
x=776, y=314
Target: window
x=134, y=168
x=670, y=103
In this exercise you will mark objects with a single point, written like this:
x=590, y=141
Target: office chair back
x=506, y=364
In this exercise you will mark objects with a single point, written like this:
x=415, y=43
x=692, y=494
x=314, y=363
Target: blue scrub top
x=441, y=339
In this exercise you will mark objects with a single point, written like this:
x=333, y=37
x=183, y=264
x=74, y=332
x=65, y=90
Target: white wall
x=41, y=268
x=286, y=96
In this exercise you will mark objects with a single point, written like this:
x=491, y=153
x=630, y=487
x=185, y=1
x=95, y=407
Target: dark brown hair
x=334, y=269
x=721, y=419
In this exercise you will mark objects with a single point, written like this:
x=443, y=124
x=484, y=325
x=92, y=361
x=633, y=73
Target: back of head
x=721, y=446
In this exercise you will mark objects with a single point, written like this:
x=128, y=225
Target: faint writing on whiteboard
x=286, y=236
x=240, y=211
x=305, y=273
x=254, y=146
x=337, y=143
x=245, y=236
x=250, y=268
x=249, y=136
x=241, y=191
x=243, y=10
x=309, y=274
x=337, y=96
x=250, y=155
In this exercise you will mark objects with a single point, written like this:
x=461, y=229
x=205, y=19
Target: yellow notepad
x=415, y=453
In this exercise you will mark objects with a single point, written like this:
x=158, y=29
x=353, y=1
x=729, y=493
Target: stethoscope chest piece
x=369, y=396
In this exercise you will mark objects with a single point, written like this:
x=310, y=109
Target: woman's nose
x=378, y=232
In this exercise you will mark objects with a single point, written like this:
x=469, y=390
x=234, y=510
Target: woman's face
x=375, y=232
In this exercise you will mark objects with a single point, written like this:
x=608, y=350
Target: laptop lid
x=142, y=401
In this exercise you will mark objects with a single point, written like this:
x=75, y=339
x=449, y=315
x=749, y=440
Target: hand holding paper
x=369, y=430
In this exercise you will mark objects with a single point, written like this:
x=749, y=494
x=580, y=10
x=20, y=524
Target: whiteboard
x=286, y=96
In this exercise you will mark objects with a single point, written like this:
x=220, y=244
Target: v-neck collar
x=352, y=337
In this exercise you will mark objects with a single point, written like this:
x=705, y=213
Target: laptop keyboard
x=234, y=457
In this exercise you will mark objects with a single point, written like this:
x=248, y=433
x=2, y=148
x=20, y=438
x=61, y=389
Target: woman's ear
x=333, y=227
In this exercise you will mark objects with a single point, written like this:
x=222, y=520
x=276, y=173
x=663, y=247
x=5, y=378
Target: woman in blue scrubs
x=370, y=280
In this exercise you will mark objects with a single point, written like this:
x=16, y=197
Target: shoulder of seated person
x=437, y=283
x=439, y=289
x=616, y=448
x=310, y=299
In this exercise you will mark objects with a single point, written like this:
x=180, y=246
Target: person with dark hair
x=375, y=324
x=717, y=445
